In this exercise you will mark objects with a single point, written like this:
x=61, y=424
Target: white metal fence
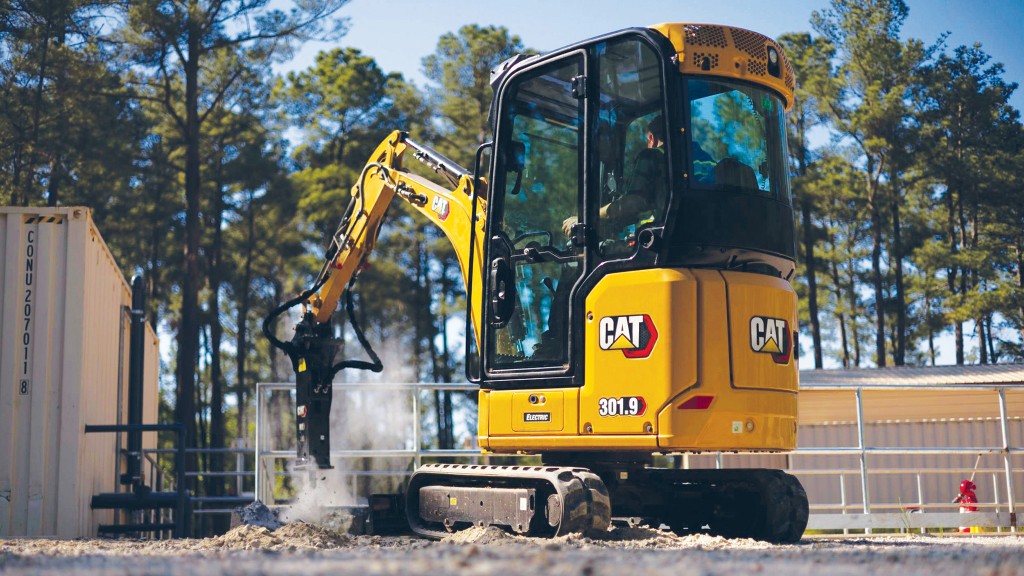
x=855, y=509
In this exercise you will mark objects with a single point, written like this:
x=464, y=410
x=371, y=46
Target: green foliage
x=461, y=68
x=66, y=127
x=930, y=138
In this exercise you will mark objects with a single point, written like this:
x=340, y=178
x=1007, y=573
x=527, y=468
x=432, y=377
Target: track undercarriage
x=530, y=500
x=553, y=500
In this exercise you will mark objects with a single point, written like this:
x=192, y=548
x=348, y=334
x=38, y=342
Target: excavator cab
x=617, y=154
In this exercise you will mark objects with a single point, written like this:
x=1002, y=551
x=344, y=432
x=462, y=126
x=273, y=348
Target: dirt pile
x=312, y=536
x=623, y=538
x=293, y=536
x=644, y=537
x=481, y=535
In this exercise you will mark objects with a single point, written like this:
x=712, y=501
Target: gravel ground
x=306, y=550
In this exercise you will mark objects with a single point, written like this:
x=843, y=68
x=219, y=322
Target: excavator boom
x=314, y=346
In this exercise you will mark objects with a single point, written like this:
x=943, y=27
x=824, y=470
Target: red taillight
x=697, y=403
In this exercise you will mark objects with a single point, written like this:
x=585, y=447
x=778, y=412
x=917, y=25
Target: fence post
x=863, y=455
x=239, y=443
x=1007, y=464
x=995, y=497
x=259, y=443
x=842, y=496
x=920, y=498
x=416, y=427
x=182, y=516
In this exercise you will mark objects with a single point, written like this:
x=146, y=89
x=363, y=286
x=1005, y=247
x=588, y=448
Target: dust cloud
x=372, y=416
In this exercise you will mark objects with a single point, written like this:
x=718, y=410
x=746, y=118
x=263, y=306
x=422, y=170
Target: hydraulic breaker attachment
x=312, y=351
x=312, y=359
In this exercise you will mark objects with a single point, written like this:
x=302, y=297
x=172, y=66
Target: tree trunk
x=976, y=284
x=201, y=462
x=242, y=337
x=215, y=484
x=982, y=346
x=446, y=360
x=840, y=316
x=799, y=150
x=876, y=268
x=954, y=269
x=188, y=331
x=153, y=280
x=272, y=352
x=1020, y=286
x=54, y=181
x=16, y=175
x=851, y=292
x=985, y=338
x=964, y=270
x=928, y=323
x=60, y=137
x=444, y=440
x=37, y=112
x=899, y=350
x=812, y=280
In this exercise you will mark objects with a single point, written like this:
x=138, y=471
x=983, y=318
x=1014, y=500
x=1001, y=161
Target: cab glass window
x=737, y=138
x=631, y=138
x=532, y=265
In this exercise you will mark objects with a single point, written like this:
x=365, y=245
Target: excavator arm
x=313, y=348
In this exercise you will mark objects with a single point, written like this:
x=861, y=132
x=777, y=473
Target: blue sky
x=399, y=33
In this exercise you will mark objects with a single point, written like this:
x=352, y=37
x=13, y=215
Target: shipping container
x=64, y=325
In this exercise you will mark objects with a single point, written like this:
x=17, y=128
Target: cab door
x=531, y=263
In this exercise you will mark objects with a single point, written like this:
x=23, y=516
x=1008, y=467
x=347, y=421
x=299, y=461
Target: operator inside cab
x=646, y=189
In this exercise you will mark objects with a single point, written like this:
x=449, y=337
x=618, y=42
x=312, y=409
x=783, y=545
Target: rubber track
x=761, y=504
x=585, y=503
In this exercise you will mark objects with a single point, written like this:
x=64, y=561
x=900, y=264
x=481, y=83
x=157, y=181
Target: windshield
x=737, y=209
x=737, y=138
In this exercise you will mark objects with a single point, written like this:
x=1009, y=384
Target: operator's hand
x=567, y=225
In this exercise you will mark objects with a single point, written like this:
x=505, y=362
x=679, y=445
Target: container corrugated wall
x=63, y=364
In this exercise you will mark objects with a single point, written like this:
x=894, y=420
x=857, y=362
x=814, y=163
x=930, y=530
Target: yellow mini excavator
x=627, y=257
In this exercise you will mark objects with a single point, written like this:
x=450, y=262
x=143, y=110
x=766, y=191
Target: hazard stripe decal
x=43, y=219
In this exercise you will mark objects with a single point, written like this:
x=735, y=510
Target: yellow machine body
x=726, y=51
x=704, y=348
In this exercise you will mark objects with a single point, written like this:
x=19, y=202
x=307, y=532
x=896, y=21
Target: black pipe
x=110, y=428
x=133, y=528
x=129, y=501
x=136, y=364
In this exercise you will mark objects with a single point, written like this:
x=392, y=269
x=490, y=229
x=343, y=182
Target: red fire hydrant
x=966, y=498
